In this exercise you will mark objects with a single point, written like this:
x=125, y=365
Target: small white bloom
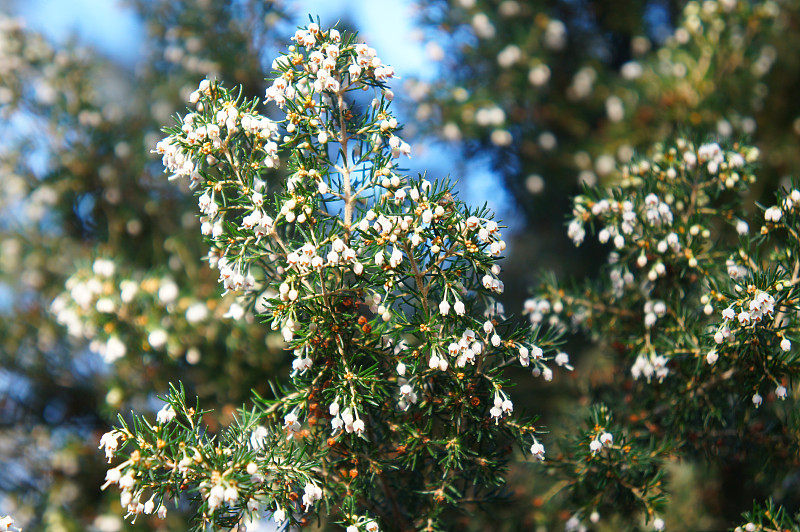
x=744, y=317
x=231, y=495
x=757, y=400
x=109, y=442
x=562, y=359
x=157, y=338
x=742, y=228
x=537, y=450
x=166, y=414
x=595, y=446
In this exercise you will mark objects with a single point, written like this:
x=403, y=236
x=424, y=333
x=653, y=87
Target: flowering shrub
x=403, y=423
x=675, y=293
x=698, y=309
x=551, y=93
x=381, y=284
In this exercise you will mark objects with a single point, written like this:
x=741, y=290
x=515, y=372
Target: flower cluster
x=114, y=309
x=650, y=365
x=382, y=285
x=691, y=299
x=651, y=221
x=599, y=450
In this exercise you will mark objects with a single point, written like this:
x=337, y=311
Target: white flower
x=781, y=392
x=786, y=344
x=235, y=312
x=157, y=338
x=112, y=477
x=109, y=442
x=576, y=232
x=372, y=526
x=658, y=524
x=507, y=406
x=458, y=306
x=773, y=214
x=537, y=450
x=744, y=317
x=712, y=357
x=396, y=258
x=742, y=228
x=606, y=438
x=312, y=494
x=197, y=312
x=444, y=308
x=572, y=524
x=258, y=437
x=757, y=400
x=215, y=497
x=291, y=424
x=128, y=481
x=279, y=515
x=231, y=495
x=595, y=446
x=168, y=291
x=166, y=414
x=115, y=349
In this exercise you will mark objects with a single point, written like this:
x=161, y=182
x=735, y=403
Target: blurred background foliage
x=104, y=300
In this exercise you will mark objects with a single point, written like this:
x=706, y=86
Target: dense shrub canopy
x=264, y=318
